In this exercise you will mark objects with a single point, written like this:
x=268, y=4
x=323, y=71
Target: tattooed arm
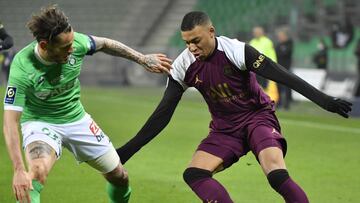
x=152, y=62
x=21, y=180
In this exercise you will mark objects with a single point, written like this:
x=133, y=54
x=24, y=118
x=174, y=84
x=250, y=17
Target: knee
x=39, y=172
x=277, y=177
x=192, y=174
x=271, y=159
x=119, y=176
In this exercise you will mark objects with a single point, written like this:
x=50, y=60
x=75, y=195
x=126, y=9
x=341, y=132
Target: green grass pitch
x=323, y=154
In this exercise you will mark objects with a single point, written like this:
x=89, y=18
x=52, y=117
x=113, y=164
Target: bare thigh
x=270, y=159
x=206, y=161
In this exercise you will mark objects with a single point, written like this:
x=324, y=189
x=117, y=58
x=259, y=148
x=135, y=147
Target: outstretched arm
x=21, y=180
x=157, y=63
x=7, y=41
x=156, y=123
x=265, y=67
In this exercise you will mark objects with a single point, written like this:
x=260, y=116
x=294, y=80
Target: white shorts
x=83, y=138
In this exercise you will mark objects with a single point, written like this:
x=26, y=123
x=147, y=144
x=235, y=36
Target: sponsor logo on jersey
x=56, y=80
x=43, y=94
x=224, y=93
x=31, y=76
x=10, y=95
x=52, y=93
x=50, y=133
x=259, y=61
x=94, y=128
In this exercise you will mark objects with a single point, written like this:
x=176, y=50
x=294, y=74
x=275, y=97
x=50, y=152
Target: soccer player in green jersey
x=43, y=97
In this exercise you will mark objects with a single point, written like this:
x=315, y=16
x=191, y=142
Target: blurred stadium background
x=153, y=26
x=324, y=149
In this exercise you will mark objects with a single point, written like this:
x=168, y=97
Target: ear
x=212, y=31
x=43, y=44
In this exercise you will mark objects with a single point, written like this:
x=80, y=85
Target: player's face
x=200, y=41
x=61, y=50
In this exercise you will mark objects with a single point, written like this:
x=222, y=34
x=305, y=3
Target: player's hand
x=339, y=106
x=157, y=63
x=22, y=185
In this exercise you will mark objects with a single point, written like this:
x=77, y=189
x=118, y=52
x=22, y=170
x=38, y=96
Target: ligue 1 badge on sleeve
x=72, y=60
x=10, y=95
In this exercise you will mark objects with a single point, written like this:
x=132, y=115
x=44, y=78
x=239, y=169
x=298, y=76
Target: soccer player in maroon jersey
x=223, y=71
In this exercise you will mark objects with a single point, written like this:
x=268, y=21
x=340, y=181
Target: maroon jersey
x=231, y=91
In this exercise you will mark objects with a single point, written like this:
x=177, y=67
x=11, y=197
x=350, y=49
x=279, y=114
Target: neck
x=213, y=46
x=43, y=54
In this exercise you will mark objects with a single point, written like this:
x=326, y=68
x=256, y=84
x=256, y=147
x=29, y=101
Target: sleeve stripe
x=92, y=46
x=14, y=108
x=234, y=50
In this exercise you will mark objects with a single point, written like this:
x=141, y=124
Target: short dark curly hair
x=49, y=23
x=194, y=18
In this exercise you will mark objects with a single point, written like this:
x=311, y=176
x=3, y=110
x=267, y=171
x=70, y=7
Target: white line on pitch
x=320, y=126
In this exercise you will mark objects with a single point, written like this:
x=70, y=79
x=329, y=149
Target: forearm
x=156, y=123
x=12, y=139
x=116, y=48
x=11, y=122
x=279, y=74
x=266, y=68
x=153, y=126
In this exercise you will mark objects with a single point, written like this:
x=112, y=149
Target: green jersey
x=45, y=91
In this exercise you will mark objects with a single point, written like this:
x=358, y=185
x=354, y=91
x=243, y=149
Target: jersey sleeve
x=15, y=91
x=234, y=50
x=84, y=44
x=158, y=120
x=180, y=66
x=253, y=58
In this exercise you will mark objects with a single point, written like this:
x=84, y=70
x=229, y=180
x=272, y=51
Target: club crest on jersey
x=228, y=70
x=10, y=95
x=72, y=60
